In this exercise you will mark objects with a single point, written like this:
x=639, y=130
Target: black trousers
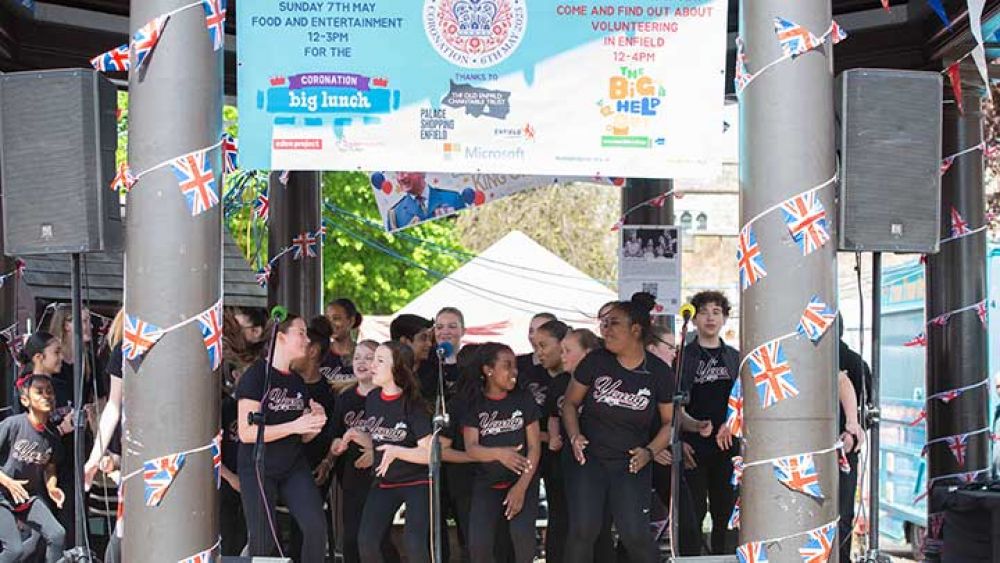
x=848, y=486
x=380, y=507
x=488, y=517
x=607, y=484
x=40, y=519
x=707, y=488
x=354, y=493
x=299, y=493
x=456, y=490
x=232, y=524
x=556, y=477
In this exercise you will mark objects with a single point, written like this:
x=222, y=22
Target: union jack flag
x=144, y=40
x=230, y=154
x=946, y=164
x=138, y=337
x=958, y=445
x=949, y=396
x=819, y=544
x=982, y=314
x=617, y=226
x=836, y=33
x=734, y=519
x=816, y=319
x=124, y=180
x=262, y=205
x=158, y=474
x=197, y=181
x=918, y=340
x=935, y=523
x=842, y=461
x=734, y=413
x=753, y=552
x=115, y=60
x=771, y=374
x=217, y=459
x=207, y=556
x=805, y=218
x=798, y=473
x=283, y=177
x=940, y=320
x=920, y=417
x=321, y=232
x=304, y=245
x=210, y=323
x=959, y=227
x=742, y=72
x=263, y=275
x=749, y=259
x=737, y=477
x=969, y=476
x=215, y=21
x=794, y=38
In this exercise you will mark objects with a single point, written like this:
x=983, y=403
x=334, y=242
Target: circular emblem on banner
x=475, y=33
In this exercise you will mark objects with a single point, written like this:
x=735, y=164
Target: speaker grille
x=57, y=155
x=890, y=196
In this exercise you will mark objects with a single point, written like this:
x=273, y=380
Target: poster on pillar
x=649, y=260
x=615, y=88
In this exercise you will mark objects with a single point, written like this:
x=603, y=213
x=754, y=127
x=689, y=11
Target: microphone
x=687, y=311
x=279, y=313
x=444, y=350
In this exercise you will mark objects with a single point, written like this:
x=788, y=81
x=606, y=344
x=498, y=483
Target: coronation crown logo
x=475, y=33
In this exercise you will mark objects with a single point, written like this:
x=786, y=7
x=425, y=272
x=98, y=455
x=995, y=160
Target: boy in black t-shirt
x=31, y=449
x=709, y=370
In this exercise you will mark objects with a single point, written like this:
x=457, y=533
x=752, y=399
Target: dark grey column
x=956, y=277
x=787, y=147
x=173, y=273
x=295, y=208
x=637, y=191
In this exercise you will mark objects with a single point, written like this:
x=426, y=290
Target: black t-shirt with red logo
x=286, y=400
x=501, y=422
x=621, y=404
x=26, y=450
x=348, y=413
x=396, y=421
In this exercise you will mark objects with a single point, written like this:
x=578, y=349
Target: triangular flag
x=210, y=324
x=816, y=319
x=158, y=474
x=939, y=10
x=115, y=60
x=955, y=77
x=819, y=544
x=917, y=341
x=982, y=314
x=772, y=376
x=957, y=445
x=734, y=411
x=124, y=180
x=217, y=459
x=798, y=473
x=215, y=21
x=836, y=33
x=196, y=181
x=794, y=38
x=138, y=337
x=753, y=552
x=144, y=40
x=959, y=226
x=979, y=51
x=737, y=477
x=734, y=519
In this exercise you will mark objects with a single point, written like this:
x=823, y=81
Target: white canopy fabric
x=502, y=288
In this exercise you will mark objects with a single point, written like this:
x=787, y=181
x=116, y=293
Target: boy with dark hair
x=710, y=368
x=414, y=331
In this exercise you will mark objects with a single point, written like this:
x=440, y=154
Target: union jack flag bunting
x=734, y=519
x=749, y=259
x=742, y=72
x=957, y=445
x=918, y=340
x=805, y=218
x=304, y=245
x=138, y=337
x=940, y=320
x=982, y=314
x=263, y=275
x=207, y=556
x=617, y=226
x=816, y=319
x=158, y=474
x=737, y=477
x=949, y=396
x=215, y=21
x=794, y=38
x=144, y=40
x=819, y=544
x=734, y=412
x=230, y=154
x=321, y=232
x=660, y=200
x=836, y=33
x=262, y=206
x=959, y=227
x=969, y=477
x=771, y=374
x=920, y=417
x=842, y=461
x=283, y=177
x=197, y=181
x=217, y=459
x=946, y=164
x=798, y=473
x=753, y=552
x=210, y=323
x=124, y=180
x=115, y=60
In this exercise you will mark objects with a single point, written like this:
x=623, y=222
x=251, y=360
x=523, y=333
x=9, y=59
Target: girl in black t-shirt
x=621, y=388
x=501, y=432
x=397, y=429
x=344, y=319
x=290, y=419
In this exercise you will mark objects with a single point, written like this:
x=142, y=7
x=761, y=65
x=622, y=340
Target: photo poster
x=406, y=199
x=649, y=259
x=624, y=88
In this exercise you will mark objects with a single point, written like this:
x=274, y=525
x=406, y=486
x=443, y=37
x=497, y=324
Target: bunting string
x=779, y=205
x=779, y=539
x=771, y=460
x=655, y=201
x=185, y=453
x=206, y=556
x=965, y=234
x=170, y=161
x=964, y=476
x=962, y=435
x=794, y=39
x=952, y=393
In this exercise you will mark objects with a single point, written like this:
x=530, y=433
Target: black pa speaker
x=890, y=151
x=57, y=160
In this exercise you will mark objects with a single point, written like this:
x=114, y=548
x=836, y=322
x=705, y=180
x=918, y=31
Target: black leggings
x=40, y=519
x=707, y=488
x=232, y=526
x=605, y=484
x=556, y=483
x=380, y=507
x=299, y=494
x=354, y=492
x=489, y=515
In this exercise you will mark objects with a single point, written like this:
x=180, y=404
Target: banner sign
x=649, y=259
x=410, y=198
x=618, y=88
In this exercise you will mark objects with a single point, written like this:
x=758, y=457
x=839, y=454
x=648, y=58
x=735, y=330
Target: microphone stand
x=439, y=422
x=679, y=401
x=259, y=418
